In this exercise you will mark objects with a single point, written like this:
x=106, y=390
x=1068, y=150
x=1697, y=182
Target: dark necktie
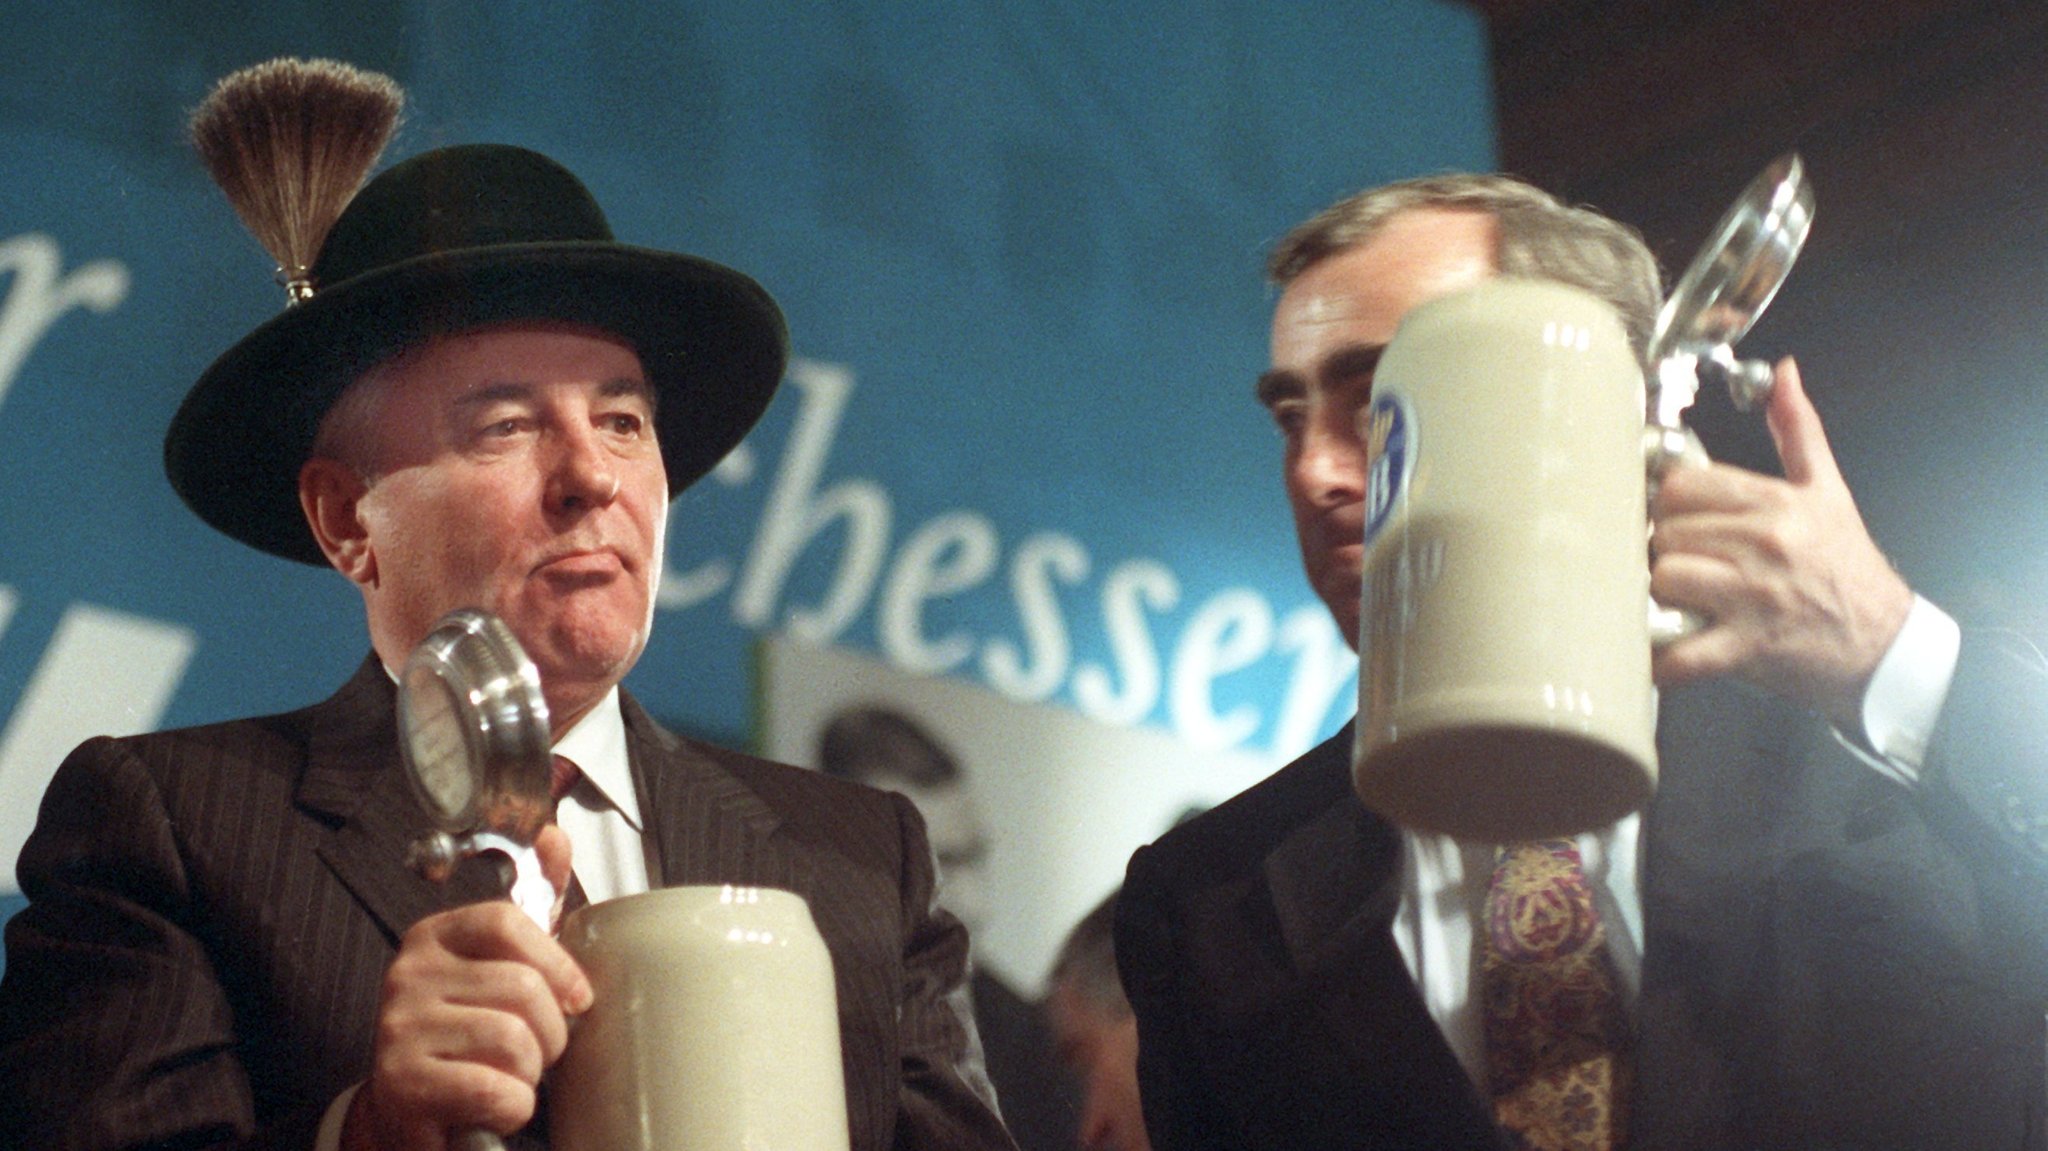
x=562, y=776
x=1557, y=1033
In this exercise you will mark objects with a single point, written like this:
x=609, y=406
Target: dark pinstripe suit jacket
x=212, y=909
x=1830, y=960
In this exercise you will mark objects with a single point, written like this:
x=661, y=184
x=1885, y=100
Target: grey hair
x=1536, y=235
x=348, y=431
x=1087, y=962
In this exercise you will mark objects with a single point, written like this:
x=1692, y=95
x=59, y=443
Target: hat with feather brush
x=448, y=241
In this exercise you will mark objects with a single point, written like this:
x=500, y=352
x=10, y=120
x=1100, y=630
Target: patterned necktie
x=1557, y=1035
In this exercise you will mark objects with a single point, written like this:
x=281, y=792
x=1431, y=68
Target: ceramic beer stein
x=715, y=1027
x=1505, y=654
x=1504, y=679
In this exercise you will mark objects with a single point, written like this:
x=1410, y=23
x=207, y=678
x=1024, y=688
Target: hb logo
x=1389, y=450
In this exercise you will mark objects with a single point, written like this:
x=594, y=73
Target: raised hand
x=1797, y=597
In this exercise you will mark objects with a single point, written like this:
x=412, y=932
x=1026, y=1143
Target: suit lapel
x=708, y=826
x=1335, y=882
x=1338, y=873
x=354, y=777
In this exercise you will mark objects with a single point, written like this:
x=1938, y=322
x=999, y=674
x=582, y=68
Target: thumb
x=1796, y=429
x=552, y=846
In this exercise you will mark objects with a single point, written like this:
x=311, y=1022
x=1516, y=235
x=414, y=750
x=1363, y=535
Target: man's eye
x=1289, y=418
x=624, y=423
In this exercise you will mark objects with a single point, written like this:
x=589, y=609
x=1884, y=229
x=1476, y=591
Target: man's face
x=1329, y=328
x=1102, y=1052
x=517, y=471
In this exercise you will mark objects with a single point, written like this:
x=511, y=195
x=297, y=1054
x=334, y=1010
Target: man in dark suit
x=485, y=402
x=1819, y=939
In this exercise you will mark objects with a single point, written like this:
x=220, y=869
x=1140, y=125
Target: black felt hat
x=449, y=241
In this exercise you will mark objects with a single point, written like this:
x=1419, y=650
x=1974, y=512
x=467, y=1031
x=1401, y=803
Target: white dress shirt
x=601, y=814
x=1444, y=880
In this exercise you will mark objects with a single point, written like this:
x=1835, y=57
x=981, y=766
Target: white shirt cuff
x=1907, y=691
x=328, y=1138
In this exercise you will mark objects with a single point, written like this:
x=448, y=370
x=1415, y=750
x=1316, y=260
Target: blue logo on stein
x=1389, y=455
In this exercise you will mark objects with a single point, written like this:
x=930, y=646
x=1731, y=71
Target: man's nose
x=1330, y=467
x=584, y=474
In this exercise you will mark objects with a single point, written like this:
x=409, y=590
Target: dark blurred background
x=1919, y=310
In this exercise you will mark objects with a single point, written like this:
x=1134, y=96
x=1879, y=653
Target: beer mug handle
x=1665, y=448
x=526, y=887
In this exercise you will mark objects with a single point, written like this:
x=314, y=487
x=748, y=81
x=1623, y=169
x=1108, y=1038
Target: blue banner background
x=1019, y=243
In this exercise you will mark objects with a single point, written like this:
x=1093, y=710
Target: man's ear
x=330, y=493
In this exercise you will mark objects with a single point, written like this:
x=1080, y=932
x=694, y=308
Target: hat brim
x=713, y=344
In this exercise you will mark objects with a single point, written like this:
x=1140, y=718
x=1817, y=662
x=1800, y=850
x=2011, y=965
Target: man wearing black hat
x=482, y=401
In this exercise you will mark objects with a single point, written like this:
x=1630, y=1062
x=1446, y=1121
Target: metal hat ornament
x=449, y=241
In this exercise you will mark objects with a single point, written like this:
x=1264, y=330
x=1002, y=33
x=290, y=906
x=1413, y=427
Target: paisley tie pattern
x=1557, y=1033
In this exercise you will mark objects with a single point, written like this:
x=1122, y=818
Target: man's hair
x=1536, y=235
x=1087, y=962
x=348, y=432
x=863, y=743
